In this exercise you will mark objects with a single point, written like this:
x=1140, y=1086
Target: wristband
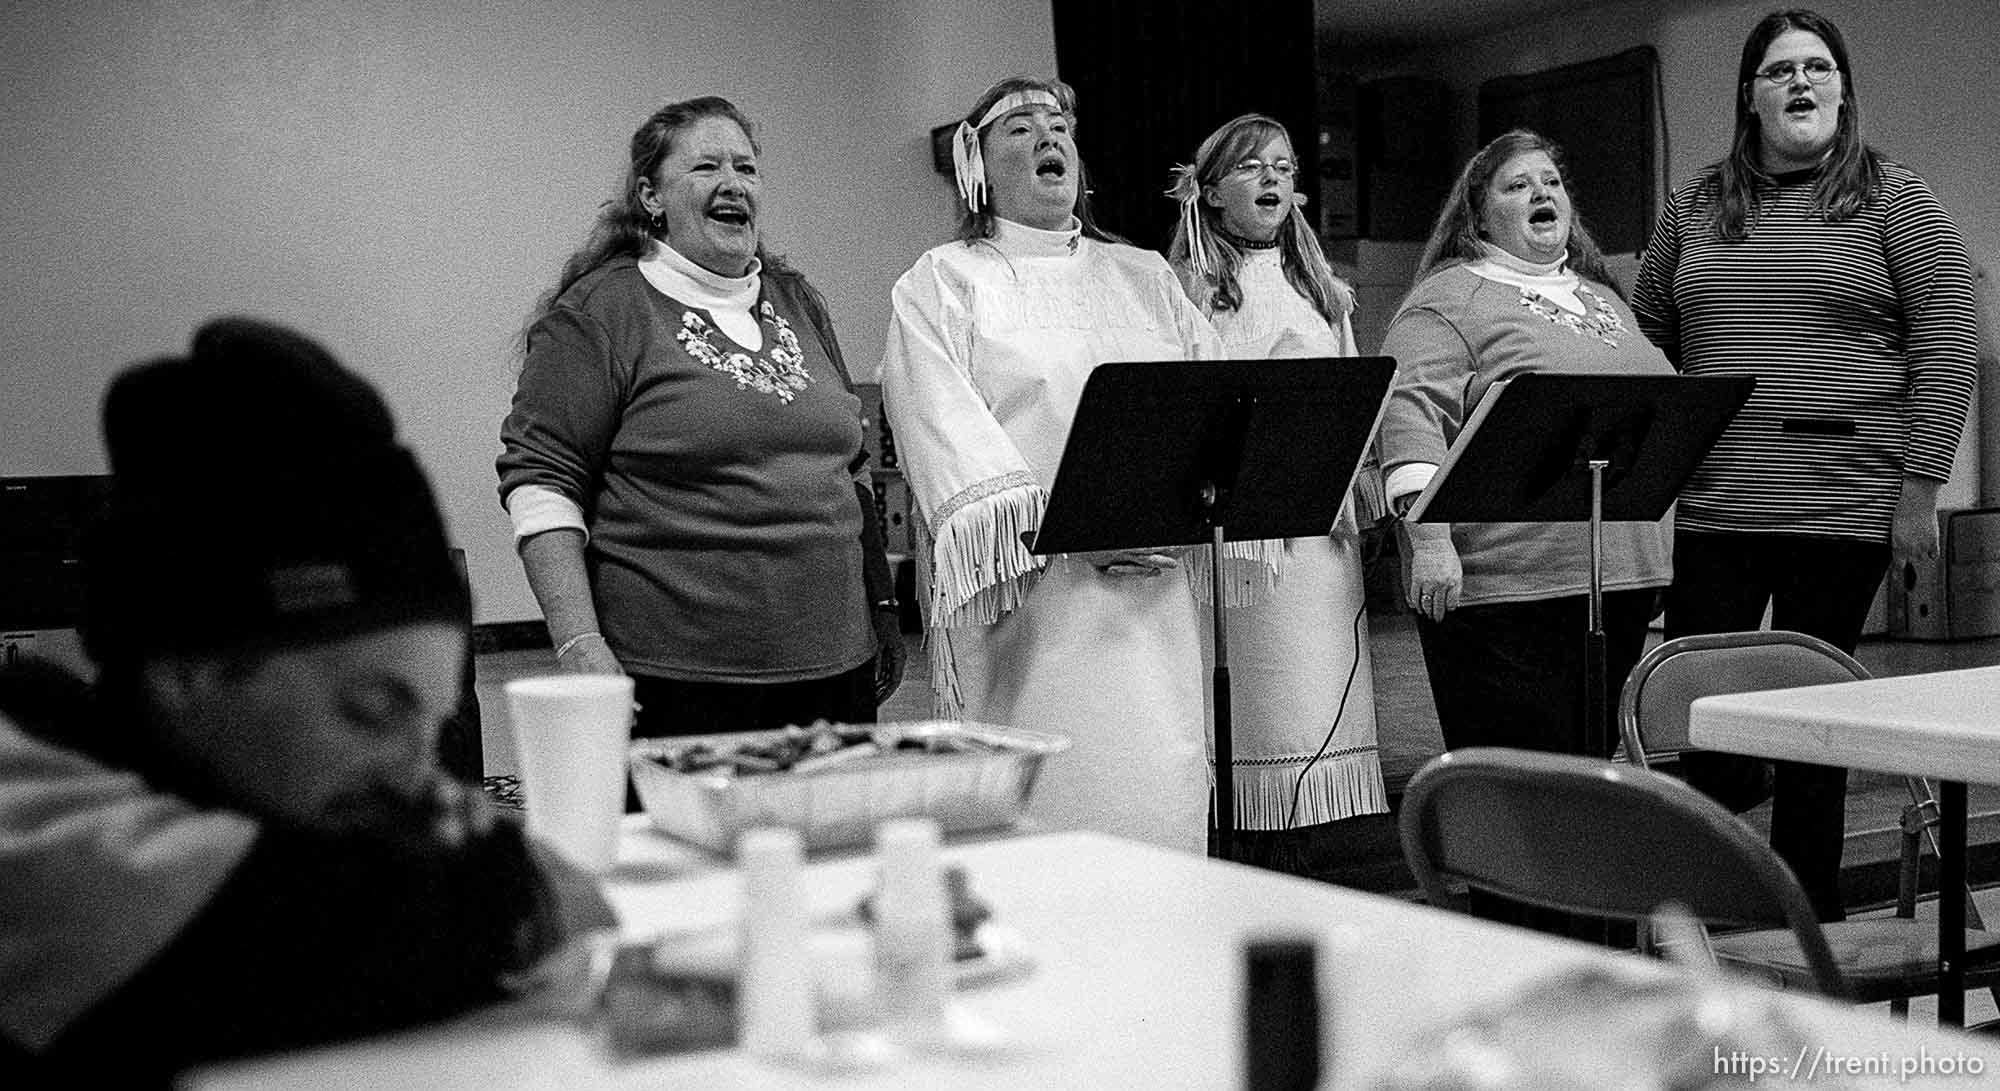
x=887, y=604
x=574, y=641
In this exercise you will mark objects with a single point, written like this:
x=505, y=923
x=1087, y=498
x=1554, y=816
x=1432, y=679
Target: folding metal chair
x=1588, y=836
x=1884, y=959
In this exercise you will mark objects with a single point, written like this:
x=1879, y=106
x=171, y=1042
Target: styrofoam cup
x=571, y=733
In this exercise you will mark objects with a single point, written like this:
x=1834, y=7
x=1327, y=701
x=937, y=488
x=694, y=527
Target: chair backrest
x=1653, y=706
x=1589, y=836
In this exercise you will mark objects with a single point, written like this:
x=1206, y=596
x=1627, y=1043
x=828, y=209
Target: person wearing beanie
x=238, y=839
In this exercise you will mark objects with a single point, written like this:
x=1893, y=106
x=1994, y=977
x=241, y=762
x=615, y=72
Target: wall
x=403, y=180
x=1911, y=65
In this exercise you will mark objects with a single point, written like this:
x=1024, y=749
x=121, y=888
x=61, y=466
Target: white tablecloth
x=1138, y=981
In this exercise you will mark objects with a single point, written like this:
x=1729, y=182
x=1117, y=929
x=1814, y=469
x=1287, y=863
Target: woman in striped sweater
x=1834, y=277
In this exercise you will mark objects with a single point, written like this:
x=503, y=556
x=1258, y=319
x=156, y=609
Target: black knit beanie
x=258, y=498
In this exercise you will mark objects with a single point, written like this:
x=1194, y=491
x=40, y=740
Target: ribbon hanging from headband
x=1187, y=190
x=967, y=162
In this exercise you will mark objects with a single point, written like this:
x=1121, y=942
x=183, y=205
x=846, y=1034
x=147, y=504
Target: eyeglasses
x=1817, y=70
x=1254, y=168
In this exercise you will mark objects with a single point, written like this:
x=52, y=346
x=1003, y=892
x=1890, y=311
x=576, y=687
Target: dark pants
x=1512, y=674
x=668, y=707
x=1818, y=586
x=1313, y=851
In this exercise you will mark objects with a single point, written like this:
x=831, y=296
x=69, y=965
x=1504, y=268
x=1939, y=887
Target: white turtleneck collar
x=1507, y=259
x=729, y=300
x=1021, y=241
x=1551, y=280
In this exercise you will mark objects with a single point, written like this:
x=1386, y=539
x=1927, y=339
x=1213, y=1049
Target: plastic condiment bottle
x=912, y=933
x=775, y=1017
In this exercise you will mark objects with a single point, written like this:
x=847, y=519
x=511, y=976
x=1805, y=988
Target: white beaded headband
x=966, y=160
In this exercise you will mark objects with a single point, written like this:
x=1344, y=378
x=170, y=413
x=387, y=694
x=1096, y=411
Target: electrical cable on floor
x=1298, y=786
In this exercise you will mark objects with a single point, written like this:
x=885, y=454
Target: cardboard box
x=875, y=435
x=1957, y=596
x=892, y=504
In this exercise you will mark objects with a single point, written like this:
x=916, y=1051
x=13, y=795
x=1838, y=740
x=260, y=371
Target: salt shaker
x=912, y=932
x=775, y=998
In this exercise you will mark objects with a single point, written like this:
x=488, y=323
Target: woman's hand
x=890, y=654
x=429, y=814
x=569, y=948
x=1130, y=562
x=459, y=813
x=1913, y=537
x=1435, y=577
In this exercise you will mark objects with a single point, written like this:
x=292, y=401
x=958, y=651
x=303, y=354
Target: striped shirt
x=1862, y=335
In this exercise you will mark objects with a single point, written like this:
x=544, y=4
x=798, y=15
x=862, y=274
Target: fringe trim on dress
x=977, y=558
x=976, y=570
x=1250, y=571
x=1341, y=784
x=1368, y=503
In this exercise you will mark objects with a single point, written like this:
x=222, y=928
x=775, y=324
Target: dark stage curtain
x=1153, y=77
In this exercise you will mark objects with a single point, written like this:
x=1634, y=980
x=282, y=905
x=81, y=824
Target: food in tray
x=834, y=783
x=821, y=746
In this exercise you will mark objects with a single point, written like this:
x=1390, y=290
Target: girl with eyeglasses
x=1304, y=709
x=1835, y=278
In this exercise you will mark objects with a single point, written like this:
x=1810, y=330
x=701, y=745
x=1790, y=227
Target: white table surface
x=1945, y=724
x=1138, y=982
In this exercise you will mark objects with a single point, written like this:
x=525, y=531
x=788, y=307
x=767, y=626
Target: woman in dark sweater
x=683, y=462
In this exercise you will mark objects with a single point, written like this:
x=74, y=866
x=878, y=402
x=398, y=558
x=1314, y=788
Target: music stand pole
x=1565, y=448
x=1225, y=739
x=1596, y=729
x=1188, y=452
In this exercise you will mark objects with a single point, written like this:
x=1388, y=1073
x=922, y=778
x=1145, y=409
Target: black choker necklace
x=1242, y=243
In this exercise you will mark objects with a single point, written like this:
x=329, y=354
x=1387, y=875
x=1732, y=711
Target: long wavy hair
x=1305, y=264
x=1456, y=239
x=1852, y=169
x=624, y=228
x=977, y=224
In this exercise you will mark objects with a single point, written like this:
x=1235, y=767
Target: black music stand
x=1564, y=448
x=1190, y=452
